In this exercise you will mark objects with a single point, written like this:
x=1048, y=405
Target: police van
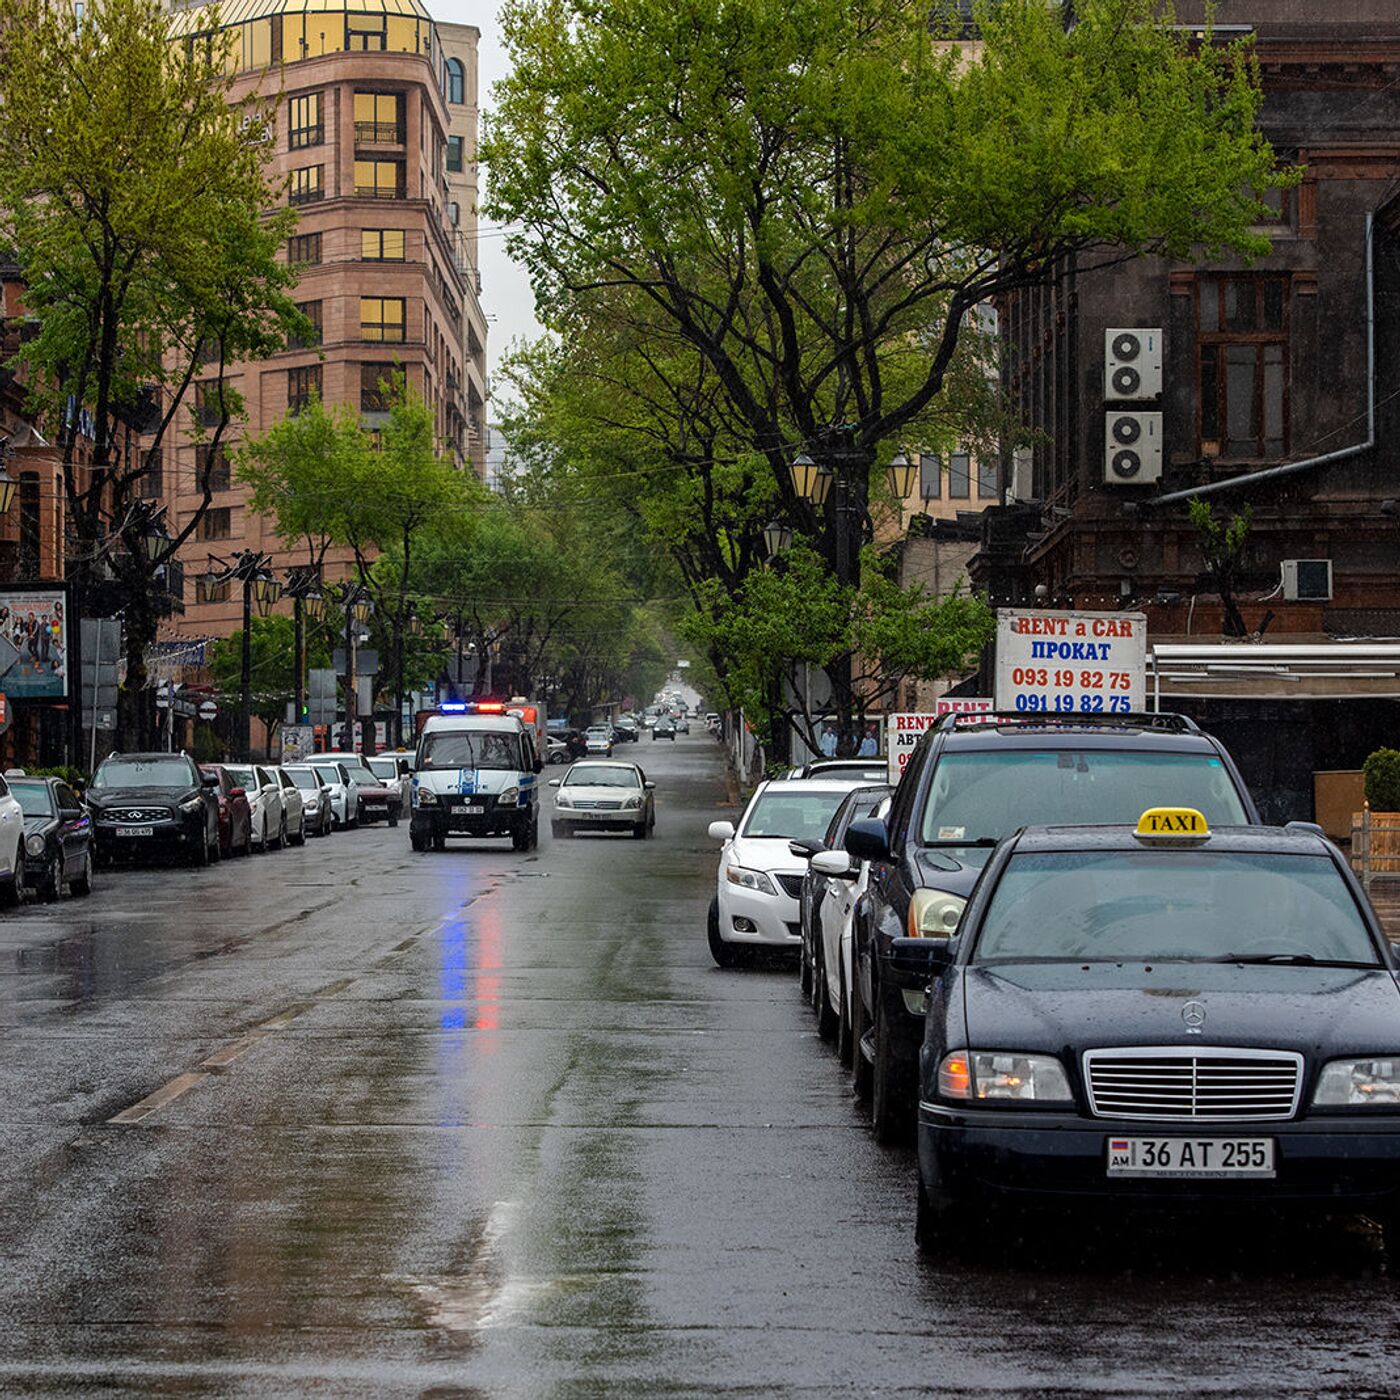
x=475, y=773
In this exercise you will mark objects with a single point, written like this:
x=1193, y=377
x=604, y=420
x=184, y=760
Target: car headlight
x=1356, y=1083
x=563, y=799
x=35, y=845
x=509, y=797
x=632, y=803
x=425, y=797
x=995, y=1075
x=934, y=913
x=749, y=879
x=192, y=804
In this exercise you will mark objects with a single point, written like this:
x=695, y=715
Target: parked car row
x=164, y=804
x=1064, y=954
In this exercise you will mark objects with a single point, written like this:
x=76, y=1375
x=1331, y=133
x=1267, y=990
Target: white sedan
x=11, y=847
x=760, y=880
x=603, y=797
x=264, y=793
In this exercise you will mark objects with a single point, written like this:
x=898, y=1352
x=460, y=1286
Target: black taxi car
x=973, y=779
x=1162, y=1013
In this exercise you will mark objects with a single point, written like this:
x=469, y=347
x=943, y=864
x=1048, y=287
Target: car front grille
x=138, y=814
x=1208, y=1084
x=598, y=805
x=792, y=884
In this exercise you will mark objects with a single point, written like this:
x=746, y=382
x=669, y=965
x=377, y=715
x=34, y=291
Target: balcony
x=379, y=192
x=379, y=134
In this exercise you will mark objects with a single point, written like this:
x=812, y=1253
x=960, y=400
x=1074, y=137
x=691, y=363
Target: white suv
x=760, y=880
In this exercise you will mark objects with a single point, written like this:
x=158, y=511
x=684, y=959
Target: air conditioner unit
x=1132, y=453
x=1132, y=368
x=1307, y=580
x=1022, y=486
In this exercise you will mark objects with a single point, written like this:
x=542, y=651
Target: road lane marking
x=222, y=1058
x=166, y=1094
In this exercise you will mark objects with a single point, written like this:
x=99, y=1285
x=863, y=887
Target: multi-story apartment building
x=375, y=138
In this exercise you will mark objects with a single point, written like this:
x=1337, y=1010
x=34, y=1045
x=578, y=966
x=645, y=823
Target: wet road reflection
x=491, y=1123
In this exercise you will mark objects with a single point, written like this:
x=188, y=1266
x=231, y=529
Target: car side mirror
x=210, y=780
x=650, y=787
x=554, y=782
x=836, y=863
x=71, y=814
x=721, y=831
x=868, y=839
x=804, y=848
x=238, y=792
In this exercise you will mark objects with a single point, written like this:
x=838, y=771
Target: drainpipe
x=1307, y=463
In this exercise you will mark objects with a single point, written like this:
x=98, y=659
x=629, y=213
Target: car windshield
x=304, y=778
x=598, y=731
x=982, y=796
x=384, y=768
x=792, y=815
x=34, y=799
x=242, y=777
x=465, y=750
x=1181, y=906
x=144, y=772
x=601, y=775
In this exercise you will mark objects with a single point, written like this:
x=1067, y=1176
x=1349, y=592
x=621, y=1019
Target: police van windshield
x=1178, y=906
x=983, y=796
x=468, y=750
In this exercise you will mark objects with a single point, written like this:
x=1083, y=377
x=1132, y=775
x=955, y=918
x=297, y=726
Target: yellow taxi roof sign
x=1173, y=824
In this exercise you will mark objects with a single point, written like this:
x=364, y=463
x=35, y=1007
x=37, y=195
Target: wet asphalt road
x=489, y=1124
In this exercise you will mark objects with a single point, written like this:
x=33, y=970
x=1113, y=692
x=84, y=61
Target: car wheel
x=843, y=1021
x=200, y=855
x=9, y=892
x=53, y=881
x=393, y=817
x=860, y=1065
x=418, y=841
x=216, y=851
x=827, y=1020
x=354, y=825
x=889, y=1107
x=81, y=884
x=300, y=838
x=639, y=832
x=804, y=970
x=281, y=840
x=723, y=953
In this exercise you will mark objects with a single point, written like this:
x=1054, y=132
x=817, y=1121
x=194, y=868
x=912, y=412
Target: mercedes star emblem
x=1194, y=1014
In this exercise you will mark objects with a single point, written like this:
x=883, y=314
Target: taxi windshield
x=1173, y=906
x=33, y=798
x=980, y=796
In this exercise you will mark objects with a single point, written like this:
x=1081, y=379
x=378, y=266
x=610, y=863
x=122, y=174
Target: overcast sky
x=505, y=290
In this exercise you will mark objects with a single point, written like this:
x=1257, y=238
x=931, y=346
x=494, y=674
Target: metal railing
x=380, y=133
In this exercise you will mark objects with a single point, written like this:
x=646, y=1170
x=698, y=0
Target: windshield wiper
x=1289, y=960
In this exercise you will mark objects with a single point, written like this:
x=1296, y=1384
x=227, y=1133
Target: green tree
x=272, y=669
x=809, y=202
x=1222, y=545
x=134, y=193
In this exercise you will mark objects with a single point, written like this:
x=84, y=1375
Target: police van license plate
x=1203, y=1158
x=475, y=809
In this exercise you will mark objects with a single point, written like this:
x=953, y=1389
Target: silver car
x=293, y=807
x=312, y=782
x=264, y=793
x=603, y=797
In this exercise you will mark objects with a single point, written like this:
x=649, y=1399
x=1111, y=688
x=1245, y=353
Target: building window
x=382, y=244
x=1242, y=358
x=366, y=33
x=986, y=480
x=151, y=485
x=305, y=126
x=29, y=525
x=454, y=154
x=454, y=213
x=382, y=319
x=216, y=523
x=312, y=311
x=305, y=186
x=304, y=250
x=456, y=81
x=207, y=592
x=379, y=179
x=379, y=118
x=930, y=476
x=377, y=387
x=959, y=476
x=211, y=468
x=303, y=384
x=208, y=404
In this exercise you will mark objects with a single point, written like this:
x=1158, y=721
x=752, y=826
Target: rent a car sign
x=1071, y=662
x=904, y=729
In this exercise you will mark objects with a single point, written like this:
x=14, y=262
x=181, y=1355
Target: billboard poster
x=903, y=730
x=34, y=642
x=1071, y=662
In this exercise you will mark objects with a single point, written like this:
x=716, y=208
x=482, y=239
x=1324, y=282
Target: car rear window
x=1189, y=905
x=980, y=795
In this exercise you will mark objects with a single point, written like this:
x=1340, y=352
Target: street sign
x=903, y=730
x=1071, y=662
x=208, y=709
x=320, y=696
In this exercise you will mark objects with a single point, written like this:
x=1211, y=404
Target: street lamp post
x=253, y=570
x=308, y=605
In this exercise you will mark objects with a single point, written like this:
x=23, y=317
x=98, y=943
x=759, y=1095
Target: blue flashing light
x=454, y=707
